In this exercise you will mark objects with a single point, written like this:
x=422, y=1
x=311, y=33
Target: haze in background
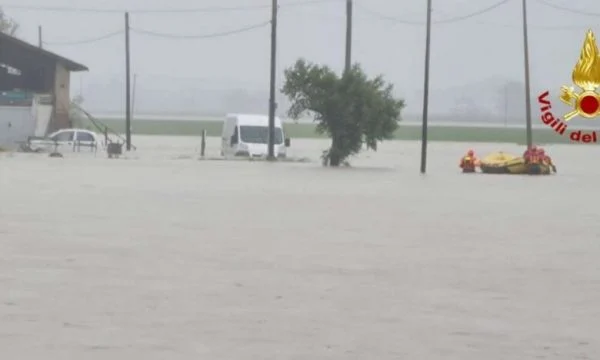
x=477, y=63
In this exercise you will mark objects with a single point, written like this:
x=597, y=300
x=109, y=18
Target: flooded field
x=163, y=256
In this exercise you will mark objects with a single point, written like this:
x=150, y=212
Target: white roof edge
x=252, y=117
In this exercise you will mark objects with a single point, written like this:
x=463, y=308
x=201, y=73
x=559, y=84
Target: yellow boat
x=503, y=163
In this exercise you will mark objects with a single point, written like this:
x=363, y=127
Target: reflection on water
x=156, y=258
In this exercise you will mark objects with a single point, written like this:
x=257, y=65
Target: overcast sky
x=465, y=55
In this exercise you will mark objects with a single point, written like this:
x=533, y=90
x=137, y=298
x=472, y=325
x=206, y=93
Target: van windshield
x=259, y=134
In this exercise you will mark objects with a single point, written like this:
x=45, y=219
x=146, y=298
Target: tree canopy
x=351, y=109
x=7, y=25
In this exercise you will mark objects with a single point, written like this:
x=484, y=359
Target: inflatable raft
x=503, y=163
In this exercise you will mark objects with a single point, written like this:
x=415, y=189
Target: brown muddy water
x=162, y=256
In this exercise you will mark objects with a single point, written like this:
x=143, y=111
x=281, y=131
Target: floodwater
x=163, y=256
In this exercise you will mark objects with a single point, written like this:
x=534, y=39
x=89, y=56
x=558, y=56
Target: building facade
x=31, y=81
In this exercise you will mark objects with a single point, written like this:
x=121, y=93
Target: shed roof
x=6, y=41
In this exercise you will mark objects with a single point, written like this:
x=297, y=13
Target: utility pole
x=127, y=85
x=349, y=6
x=40, y=42
x=506, y=105
x=527, y=78
x=133, y=97
x=426, y=91
x=272, y=103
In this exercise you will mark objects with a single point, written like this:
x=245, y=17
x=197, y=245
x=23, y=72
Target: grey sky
x=477, y=54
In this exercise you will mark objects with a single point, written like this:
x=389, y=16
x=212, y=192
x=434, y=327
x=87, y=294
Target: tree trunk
x=335, y=158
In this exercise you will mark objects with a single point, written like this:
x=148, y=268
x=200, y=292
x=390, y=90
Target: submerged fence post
x=203, y=143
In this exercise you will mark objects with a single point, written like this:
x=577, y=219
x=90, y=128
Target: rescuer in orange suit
x=535, y=156
x=469, y=162
x=545, y=159
x=530, y=153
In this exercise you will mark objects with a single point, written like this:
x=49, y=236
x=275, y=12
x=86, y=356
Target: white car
x=68, y=140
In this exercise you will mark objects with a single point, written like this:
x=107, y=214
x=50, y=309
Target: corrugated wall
x=16, y=124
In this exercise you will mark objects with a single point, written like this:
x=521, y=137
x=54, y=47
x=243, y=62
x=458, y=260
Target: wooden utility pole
x=133, y=97
x=40, y=42
x=426, y=92
x=527, y=78
x=349, y=6
x=127, y=85
x=272, y=103
x=506, y=105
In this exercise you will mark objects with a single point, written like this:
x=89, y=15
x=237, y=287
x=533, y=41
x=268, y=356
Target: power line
x=60, y=9
x=205, y=36
x=249, y=28
x=539, y=27
x=262, y=24
x=567, y=9
x=163, y=35
x=87, y=41
x=217, y=9
x=471, y=15
x=445, y=21
x=245, y=29
x=213, y=9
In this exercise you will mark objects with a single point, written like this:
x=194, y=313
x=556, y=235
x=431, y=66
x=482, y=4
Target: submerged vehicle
x=65, y=140
x=248, y=135
x=503, y=163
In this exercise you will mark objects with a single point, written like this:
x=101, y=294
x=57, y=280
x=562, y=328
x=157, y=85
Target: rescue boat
x=503, y=163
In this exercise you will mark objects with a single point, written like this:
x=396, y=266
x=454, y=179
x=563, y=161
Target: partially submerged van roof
x=253, y=119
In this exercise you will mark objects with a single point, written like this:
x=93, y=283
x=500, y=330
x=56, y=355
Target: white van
x=248, y=135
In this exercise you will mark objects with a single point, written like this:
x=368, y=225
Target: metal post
x=527, y=78
x=272, y=104
x=349, y=6
x=40, y=42
x=426, y=91
x=127, y=85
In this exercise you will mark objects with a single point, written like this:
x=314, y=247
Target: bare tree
x=8, y=25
